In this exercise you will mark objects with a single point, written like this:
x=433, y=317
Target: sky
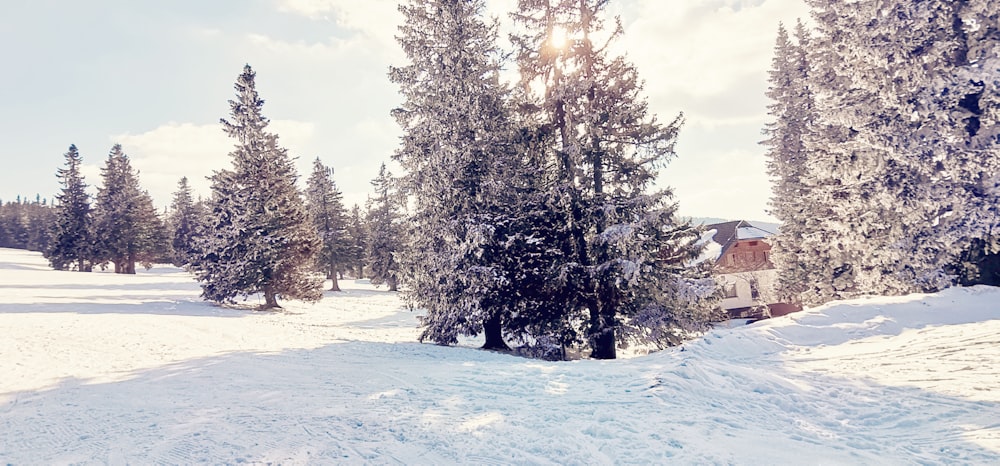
x=156, y=77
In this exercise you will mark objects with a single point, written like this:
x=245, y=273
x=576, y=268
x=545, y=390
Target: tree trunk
x=604, y=345
x=270, y=299
x=493, y=330
x=333, y=276
x=118, y=266
x=391, y=281
x=603, y=342
x=130, y=264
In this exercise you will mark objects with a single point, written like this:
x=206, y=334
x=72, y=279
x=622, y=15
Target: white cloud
x=695, y=52
x=376, y=19
x=165, y=154
x=732, y=184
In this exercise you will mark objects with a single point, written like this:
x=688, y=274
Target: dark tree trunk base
x=493, y=331
x=604, y=346
x=270, y=301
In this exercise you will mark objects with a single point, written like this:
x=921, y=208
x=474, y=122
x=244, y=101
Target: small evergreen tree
x=259, y=238
x=127, y=228
x=72, y=243
x=184, y=221
x=357, y=242
x=385, y=230
x=326, y=206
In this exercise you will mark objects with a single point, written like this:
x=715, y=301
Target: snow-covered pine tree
x=850, y=226
x=326, y=207
x=624, y=241
x=457, y=153
x=385, y=230
x=943, y=61
x=259, y=238
x=898, y=150
x=184, y=221
x=127, y=228
x=72, y=244
x=790, y=111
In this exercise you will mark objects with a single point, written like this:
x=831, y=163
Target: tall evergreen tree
x=127, y=228
x=901, y=156
x=624, y=239
x=808, y=266
x=259, y=238
x=943, y=61
x=72, y=243
x=326, y=206
x=385, y=230
x=457, y=152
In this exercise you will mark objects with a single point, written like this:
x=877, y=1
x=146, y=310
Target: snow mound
x=100, y=368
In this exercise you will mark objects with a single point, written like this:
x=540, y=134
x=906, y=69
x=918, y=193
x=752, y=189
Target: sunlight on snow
x=555, y=387
x=483, y=420
x=986, y=437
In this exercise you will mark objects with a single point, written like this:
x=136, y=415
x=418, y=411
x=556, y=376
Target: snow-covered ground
x=99, y=368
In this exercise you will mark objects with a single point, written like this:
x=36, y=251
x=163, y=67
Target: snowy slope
x=98, y=368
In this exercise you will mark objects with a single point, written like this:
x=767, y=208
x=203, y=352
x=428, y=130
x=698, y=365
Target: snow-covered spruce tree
x=385, y=230
x=259, y=238
x=357, y=242
x=72, y=244
x=898, y=145
x=850, y=227
x=457, y=153
x=943, y=57
x=326, y=207
x=184, y=221
x=127, y=228
x=606, y=151
x=791, y=113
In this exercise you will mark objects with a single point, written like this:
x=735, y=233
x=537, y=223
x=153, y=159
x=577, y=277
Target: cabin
x=743, y=268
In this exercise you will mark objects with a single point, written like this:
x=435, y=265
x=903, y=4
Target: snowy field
x=98, y=368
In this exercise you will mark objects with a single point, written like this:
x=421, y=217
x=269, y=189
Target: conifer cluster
x=884, y=146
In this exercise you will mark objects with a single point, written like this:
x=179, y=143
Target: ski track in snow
x=98, y=368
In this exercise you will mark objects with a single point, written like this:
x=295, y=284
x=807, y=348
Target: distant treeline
x=26, y=225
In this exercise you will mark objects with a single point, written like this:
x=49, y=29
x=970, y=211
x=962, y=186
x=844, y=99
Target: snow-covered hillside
x=99, y=368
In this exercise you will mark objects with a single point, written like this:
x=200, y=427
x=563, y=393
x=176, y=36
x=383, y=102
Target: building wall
x=752, y=254
x=766, y=280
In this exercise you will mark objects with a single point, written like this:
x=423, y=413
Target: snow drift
x=103, y=368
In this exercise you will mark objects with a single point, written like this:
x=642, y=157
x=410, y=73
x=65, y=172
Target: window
x=729, y=290
x=754, y=290
x=753, y=243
